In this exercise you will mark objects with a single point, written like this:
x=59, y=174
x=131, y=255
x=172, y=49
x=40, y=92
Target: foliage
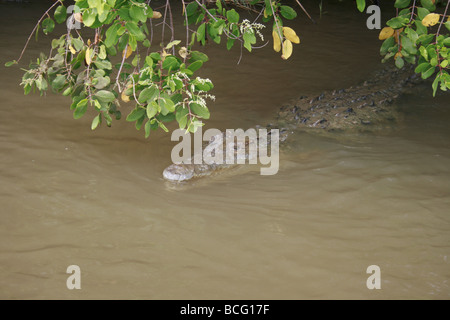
x=115, y=55
x=161, y=80
x=416, y=36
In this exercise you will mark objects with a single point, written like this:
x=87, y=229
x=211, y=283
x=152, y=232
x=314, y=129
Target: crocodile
x=363, y=107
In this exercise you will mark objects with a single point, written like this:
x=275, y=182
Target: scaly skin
x=362, y=107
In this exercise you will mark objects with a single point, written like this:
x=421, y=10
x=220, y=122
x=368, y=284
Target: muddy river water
x=97, y=199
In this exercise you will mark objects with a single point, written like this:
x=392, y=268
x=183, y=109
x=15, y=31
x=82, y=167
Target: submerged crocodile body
x=362, y=107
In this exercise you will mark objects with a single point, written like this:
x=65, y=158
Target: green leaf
x=102, y=82
x=387, y=44
x=148, y=94
x=170, y=63
x=57, y=43
x=27, y=89
x=138, y=14
x=199, y=110
x=59, y=82
x=422, y=67
x=147, y=128
x=361, y=4
x=135, y=30
x=43, y=85
x=420, y=28
x=48, y=25
x=191, y=8
x=146, y=43
x=249, y=39
x=139, y=123
x=181, y=117
x=149, y=61
x=111, y=35
x=37, y=32
x=287, y=12
x=155, y=56
x=135, y=60
x=195, y=65
x=173, y=43
x=102, y=52
x=166, y=104
x=96, y=121
x=435, y=84
x=399, y=62
x=397, y=22
x=111, y=51
x=428, y=73
x=80, y=109
x=402, y=3
x=75, y=100
x=408, y=45
x=152, y=110
x=230, y=43
x=89, y=17
x=428, y=4
x=167, y=118
x=183, y=122
x=197, y=55
x=219, y=5
x=107, y=118
x=10, y=63
x=201, y=31
x=103, y=64
x=206, y=86
x=77, y=44
x=105, y=14
x=422, y=13
x=123, y=42
x=426, y=39
x=434, y=62
x=99, y=106
x=60, y=14
x=133, y=42
x=447, y=41
x=136, y=114
x=447, y=25
x=162, y=126
x=94, y=3
x=124, y=14
x=232, y=16
x=410, y=59
x=105, y=96
x=176, y=98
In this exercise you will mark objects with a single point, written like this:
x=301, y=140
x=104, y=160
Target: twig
x=187, y=30
x=412, y=11
x=443, y=18
x=439, y=30
x=124, y=55
x=35, y=27
x=306, y=12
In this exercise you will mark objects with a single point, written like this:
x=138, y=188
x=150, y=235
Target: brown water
x=97, y=199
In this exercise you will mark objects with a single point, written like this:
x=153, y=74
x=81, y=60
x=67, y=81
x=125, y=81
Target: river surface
x=70, y=196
